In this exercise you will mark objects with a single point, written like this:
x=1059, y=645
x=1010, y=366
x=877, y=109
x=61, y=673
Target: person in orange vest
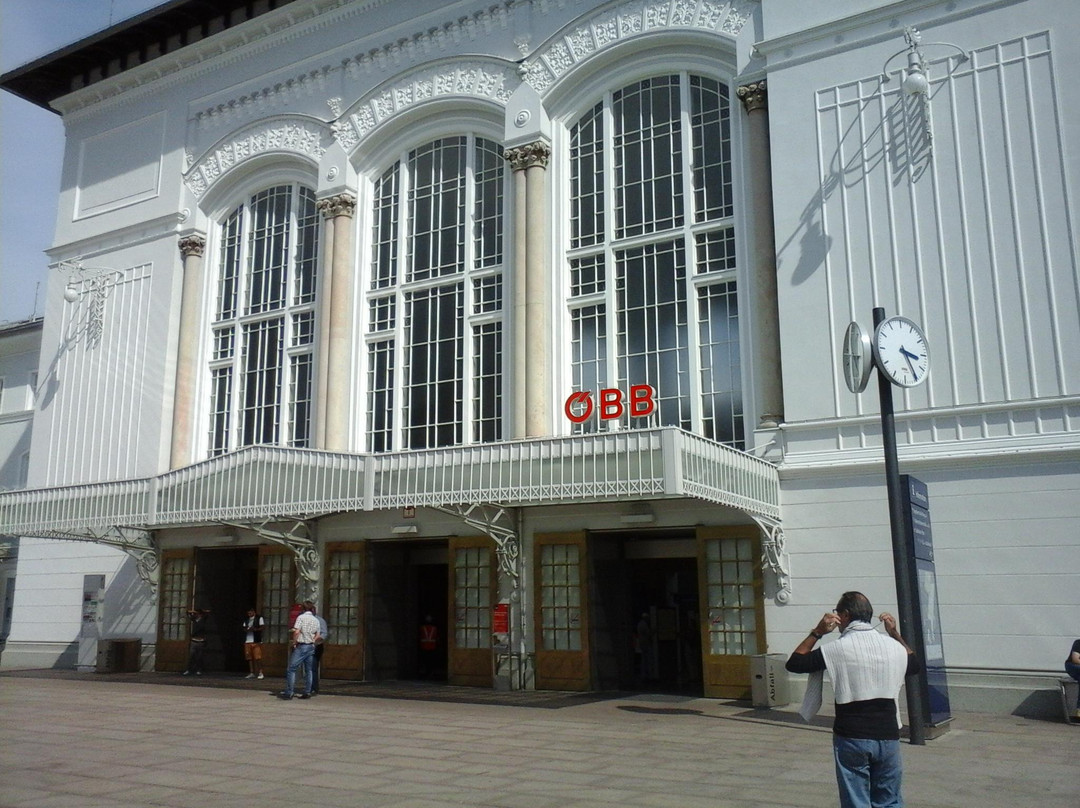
x=429, y=641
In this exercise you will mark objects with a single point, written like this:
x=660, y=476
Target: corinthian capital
x=537, y=153
x=192, y=246
x=754, y=96
x=337, y=205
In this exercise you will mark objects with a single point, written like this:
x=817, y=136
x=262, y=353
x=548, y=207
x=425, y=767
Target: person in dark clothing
x=867, y=670
x=1072, y=667
x=198, y=619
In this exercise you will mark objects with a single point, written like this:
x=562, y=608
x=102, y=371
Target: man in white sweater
x=867, y=670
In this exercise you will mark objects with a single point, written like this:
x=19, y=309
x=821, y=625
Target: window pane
x=653, y=344
x=269, y=354
x=712, y=150
x=648, y=157
x=433, y=371
x=436, y=209
x=661, y=320
x=587, y=180
x=488, y=219
x=268, y=248
x=721, y=387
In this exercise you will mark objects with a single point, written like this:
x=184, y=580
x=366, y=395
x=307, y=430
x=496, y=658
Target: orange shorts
x=253, y=651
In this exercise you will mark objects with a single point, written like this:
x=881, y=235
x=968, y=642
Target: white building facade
x=527, y=317
x=20, y=346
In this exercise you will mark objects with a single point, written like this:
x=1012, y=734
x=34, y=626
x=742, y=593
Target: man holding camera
x=867, y=670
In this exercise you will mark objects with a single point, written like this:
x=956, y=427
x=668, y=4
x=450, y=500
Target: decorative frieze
x=302, y=138
x=489, y=80
x=627, y=21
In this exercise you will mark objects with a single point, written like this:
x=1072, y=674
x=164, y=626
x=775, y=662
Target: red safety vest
x=428, y=636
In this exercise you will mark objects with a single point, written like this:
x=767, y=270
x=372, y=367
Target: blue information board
x=929, y=643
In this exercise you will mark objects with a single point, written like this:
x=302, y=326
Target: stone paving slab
x=87, y=740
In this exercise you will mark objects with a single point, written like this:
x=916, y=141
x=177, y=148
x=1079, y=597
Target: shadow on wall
x=900, y=138
x=130, y=608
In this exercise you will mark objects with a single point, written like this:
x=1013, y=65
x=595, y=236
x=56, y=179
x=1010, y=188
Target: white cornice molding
x=90, y=249
x=1034, y=445
x=876, y=25
x=264, y=33
x=427, y=45
x=622, y=21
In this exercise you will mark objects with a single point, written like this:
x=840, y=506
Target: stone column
x=337, y=308
x=192, y=248
x=765, y=338
x=532, y=296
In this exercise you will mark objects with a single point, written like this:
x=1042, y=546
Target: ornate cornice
x=392, y=56
x=754, y=96
x=529, y=155
x=336, y=205
x=303, y=137
x=586, y=38
x=192, y=246
x=488, y=80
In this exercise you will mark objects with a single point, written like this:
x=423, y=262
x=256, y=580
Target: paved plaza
x=116, y=741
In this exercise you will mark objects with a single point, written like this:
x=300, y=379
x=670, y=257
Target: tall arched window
x=435, y=302
x=652, y=252
x=263, y=329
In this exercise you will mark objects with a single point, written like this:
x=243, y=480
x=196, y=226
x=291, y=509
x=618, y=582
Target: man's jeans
x=868, y=773
x=301, y=655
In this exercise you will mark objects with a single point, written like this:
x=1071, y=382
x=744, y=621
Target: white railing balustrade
x=265, y=482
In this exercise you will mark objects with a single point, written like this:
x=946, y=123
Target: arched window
x=263, y=324
x=652, y=294
x=435, y=301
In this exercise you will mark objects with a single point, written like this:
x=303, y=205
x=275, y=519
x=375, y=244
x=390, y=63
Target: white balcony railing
x=263, y=482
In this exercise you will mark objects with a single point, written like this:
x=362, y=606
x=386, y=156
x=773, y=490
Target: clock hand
x=908, y=356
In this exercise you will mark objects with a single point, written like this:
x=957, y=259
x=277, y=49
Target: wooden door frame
x=548, y=663
x=275, y=654
x=472, y=667
x=346, y=661
x=735, y=669
x=172, y=655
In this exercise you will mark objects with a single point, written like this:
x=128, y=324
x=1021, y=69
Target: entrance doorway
x=226, y=583
x=409, y=584
x=646, y=613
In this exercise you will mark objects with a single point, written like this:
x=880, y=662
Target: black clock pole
x=905, y=589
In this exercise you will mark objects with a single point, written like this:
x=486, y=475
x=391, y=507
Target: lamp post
x=905, y=586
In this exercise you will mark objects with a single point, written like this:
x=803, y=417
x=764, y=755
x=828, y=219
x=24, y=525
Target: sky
x=32, y=141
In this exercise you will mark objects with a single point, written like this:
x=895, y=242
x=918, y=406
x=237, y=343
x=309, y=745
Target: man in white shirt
x=867, y=669
x=305, y=632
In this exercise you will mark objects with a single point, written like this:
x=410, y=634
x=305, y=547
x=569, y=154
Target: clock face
x=856, y=358
x=901, y=351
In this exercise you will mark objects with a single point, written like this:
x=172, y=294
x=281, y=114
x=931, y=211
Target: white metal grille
x=262, y=482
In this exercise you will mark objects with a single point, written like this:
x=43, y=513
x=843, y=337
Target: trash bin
x=121, y=655
x=768, y=680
